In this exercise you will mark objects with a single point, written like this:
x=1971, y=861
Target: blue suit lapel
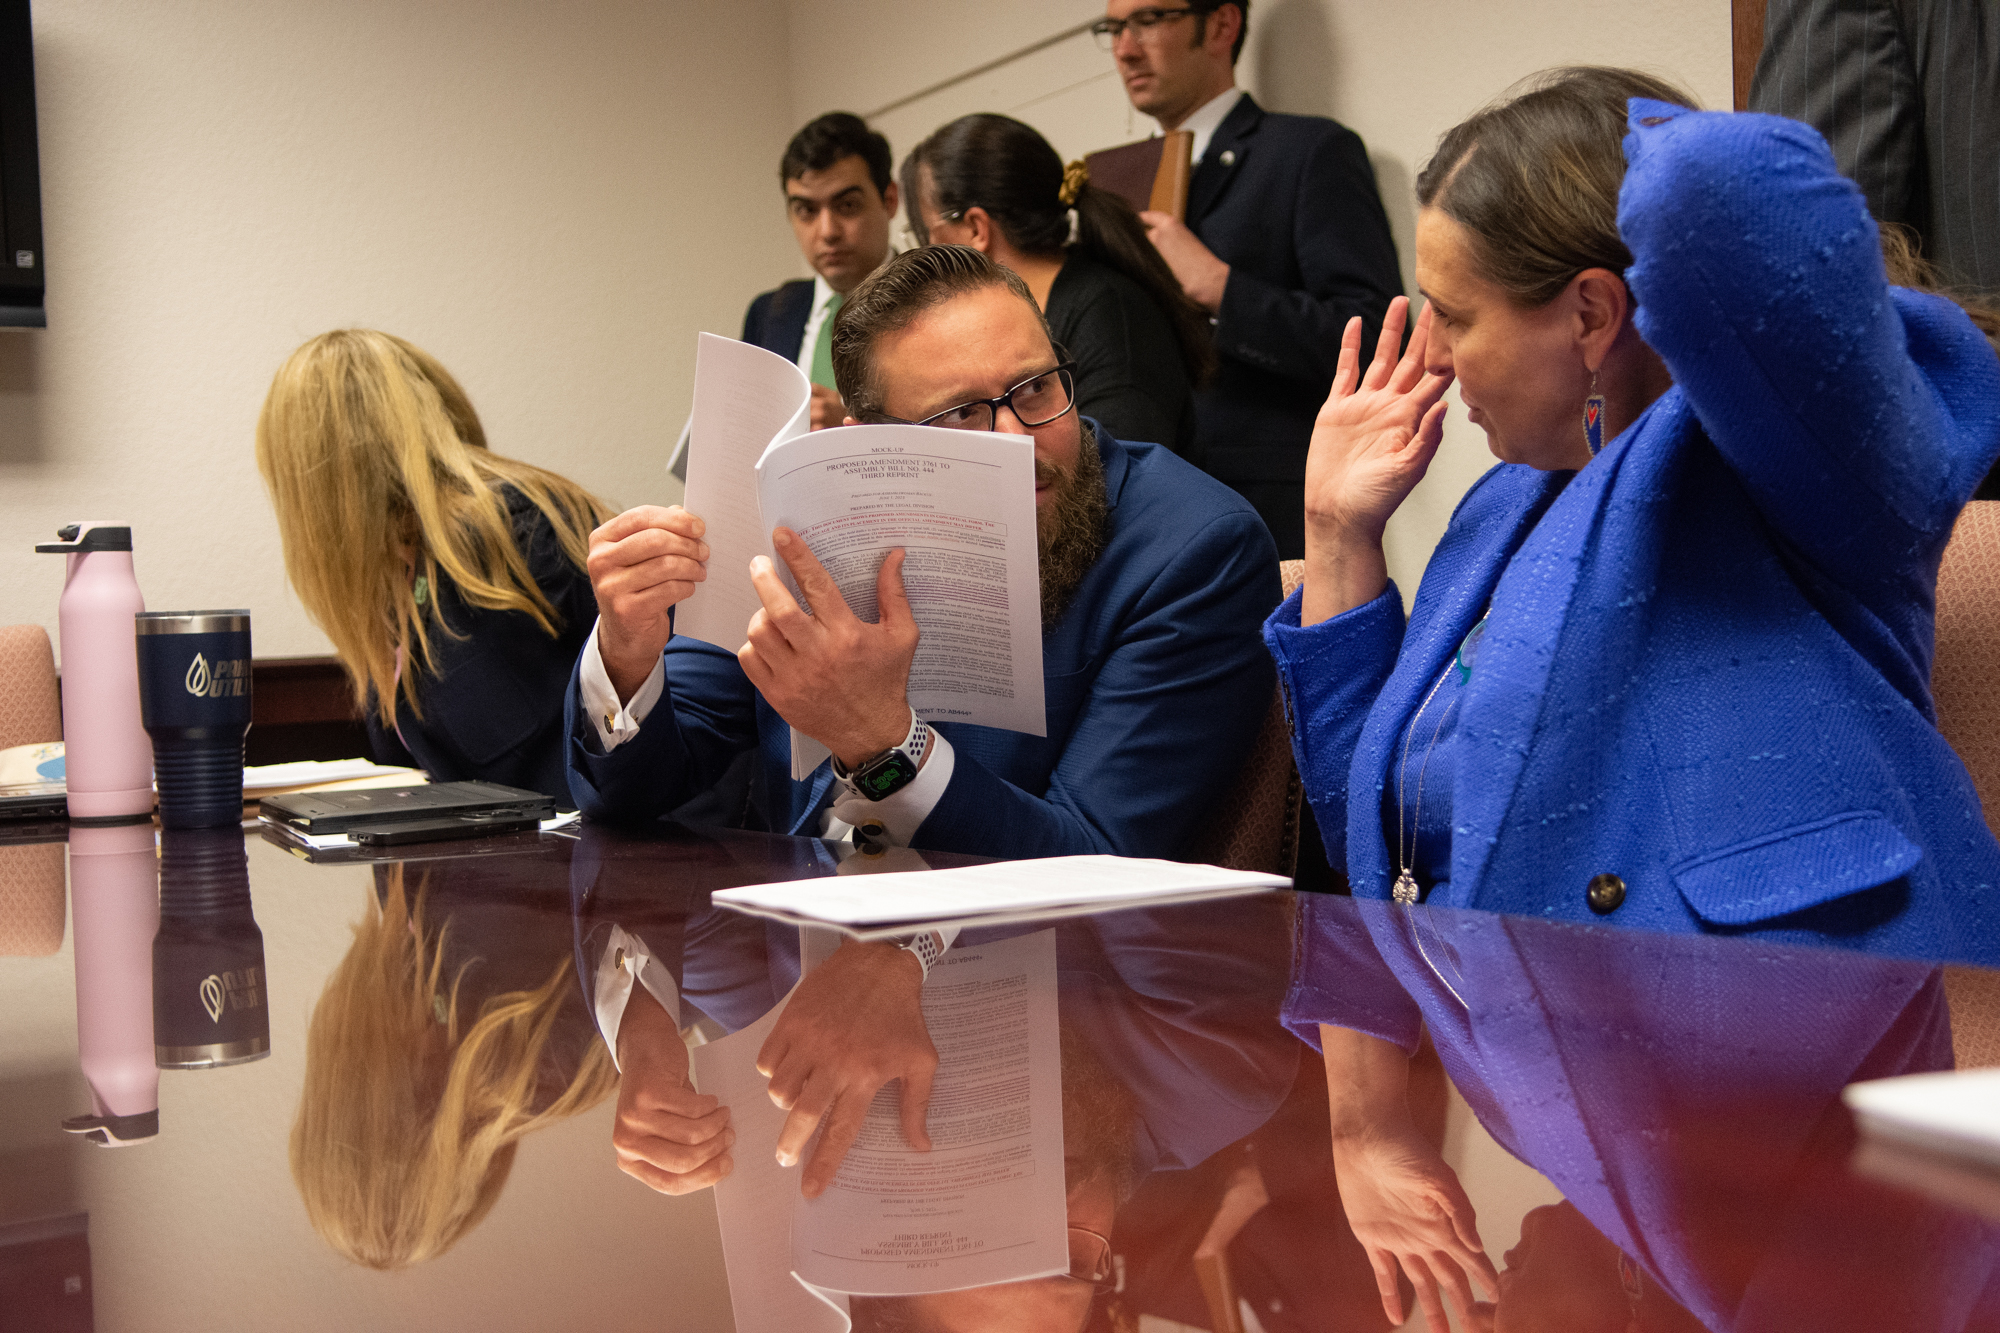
x=1507, y=702
x=1454, y=594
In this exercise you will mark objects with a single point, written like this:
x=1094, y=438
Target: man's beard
x=1072, y=529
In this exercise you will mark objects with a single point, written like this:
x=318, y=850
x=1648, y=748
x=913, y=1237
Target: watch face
x=885, y=774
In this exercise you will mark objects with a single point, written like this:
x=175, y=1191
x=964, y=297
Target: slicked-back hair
x=1203, y=8
x=1534, y=178
x=892, y=297
x=831, y=138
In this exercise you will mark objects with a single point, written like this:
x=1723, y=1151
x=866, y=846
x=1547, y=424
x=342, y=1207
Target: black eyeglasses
x=1090, y=1259
x=1035, y=401
x=1141, y=21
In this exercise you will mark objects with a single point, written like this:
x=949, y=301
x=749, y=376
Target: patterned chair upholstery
x=1257, y=827
x=1965, y=680
x=31, y=875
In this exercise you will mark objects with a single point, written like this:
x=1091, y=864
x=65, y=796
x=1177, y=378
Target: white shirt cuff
x=614, y=722
x=627, y=959
x=903, y=812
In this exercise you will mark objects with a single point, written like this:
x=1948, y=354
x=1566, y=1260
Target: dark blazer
x=1906, y=93
x=1289, y=203
x=492, y=706
x=1155, y=684
x=1706, y=667
x=1129, y=372
x=776, y=321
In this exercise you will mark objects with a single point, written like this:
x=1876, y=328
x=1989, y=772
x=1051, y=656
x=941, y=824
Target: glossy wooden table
x=1726, y=1177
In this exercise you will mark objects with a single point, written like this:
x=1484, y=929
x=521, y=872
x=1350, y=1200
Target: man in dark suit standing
x=839, y=195
x=1905, y=93
x=1285, y=240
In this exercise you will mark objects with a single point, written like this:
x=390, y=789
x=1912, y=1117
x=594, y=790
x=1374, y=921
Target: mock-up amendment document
x=1954, y=1112
x=961, y=505
x=985, y=1205
x=889, y=903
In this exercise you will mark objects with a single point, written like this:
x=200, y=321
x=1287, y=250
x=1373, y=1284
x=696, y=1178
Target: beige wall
x=1398, y=74
x=551, y=198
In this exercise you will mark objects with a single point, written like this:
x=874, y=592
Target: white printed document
x=872, y=906
x=961, y=505
x=1954, y=1112
x=985, y=1205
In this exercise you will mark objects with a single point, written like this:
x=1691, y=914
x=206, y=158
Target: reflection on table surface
x=374, y=1095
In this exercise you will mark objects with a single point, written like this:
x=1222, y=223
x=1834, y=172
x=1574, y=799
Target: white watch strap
x=915, y=741
x=928, y=946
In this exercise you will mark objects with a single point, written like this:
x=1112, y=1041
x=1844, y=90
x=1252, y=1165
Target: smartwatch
x=893, y=769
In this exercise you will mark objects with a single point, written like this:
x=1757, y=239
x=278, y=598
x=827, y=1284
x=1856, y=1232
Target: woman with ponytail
x=450, y=579
x=1139, y=344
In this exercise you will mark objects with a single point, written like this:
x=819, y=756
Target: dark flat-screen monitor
x=21, y=260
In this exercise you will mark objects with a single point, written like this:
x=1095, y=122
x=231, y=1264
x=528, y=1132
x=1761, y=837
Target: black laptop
x=473, y=803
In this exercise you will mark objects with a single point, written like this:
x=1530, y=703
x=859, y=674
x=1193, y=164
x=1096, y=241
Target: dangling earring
x=1593, y=418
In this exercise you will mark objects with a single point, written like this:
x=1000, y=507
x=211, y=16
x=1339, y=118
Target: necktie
x=822, y=371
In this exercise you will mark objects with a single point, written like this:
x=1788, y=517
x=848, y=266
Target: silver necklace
x=1405, y=890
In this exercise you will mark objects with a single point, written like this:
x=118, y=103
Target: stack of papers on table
x=873, y=906
x=1937, y=1134
x=1956, y=1112
x=263, y=780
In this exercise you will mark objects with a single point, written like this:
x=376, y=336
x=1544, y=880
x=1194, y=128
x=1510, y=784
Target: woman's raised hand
x=1376, y=432
x=1410, y=1213
x=1371, y=444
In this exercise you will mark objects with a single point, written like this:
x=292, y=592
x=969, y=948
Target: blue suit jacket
x=1706, y=667
x=1155, y=684
x=776, y=320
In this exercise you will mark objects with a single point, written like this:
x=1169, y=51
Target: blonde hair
x=373, y=454
x=395, y=1158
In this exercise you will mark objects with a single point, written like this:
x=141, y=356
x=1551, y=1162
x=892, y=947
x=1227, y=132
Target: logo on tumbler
x=224, y=678
x=211, y=992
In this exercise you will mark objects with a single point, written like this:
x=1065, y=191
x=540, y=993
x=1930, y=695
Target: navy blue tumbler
x=194, y=698
x=209, y=996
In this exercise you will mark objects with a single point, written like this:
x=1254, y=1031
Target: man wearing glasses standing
x=1285, y=240
x=1155, y=582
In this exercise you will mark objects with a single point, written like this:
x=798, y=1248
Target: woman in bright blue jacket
x=1669, y=665
x=1683, y=684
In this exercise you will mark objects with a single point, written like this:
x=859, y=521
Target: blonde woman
x=450, y=579
x=449, y=1031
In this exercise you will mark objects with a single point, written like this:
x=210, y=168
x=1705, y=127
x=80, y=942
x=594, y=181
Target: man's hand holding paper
x=642, y=562
x=855, y=1023
x=832, y=675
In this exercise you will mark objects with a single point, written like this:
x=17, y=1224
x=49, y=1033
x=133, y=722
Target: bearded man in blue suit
x=1154, y=582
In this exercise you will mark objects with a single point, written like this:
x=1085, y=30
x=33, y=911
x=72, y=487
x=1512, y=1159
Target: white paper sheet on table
x=1954, y=1112
x=882, y=904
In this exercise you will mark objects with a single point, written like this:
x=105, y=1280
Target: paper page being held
x=745, y=400
x=987, y=1203
x=961, y=504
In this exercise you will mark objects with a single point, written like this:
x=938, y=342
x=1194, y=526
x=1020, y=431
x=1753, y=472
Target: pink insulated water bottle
x=108, y=758
x=114, y=879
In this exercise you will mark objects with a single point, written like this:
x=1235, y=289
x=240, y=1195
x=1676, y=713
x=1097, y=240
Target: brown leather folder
x=1152, y=173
